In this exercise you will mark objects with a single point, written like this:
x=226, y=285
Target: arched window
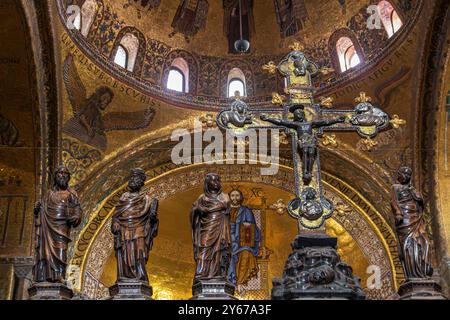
x=236, y=85
x=121, y=57
x=88, y=13
x=77, y=21
x=178, y=78
x=348, y=57
x=390, y=18
x=127, y=52
x=236, y=82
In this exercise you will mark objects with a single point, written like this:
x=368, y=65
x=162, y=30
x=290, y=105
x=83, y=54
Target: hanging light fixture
x=241, y=45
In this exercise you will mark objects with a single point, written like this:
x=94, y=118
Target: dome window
x=389, y=17
x=178, y=79
x=127, y=51
x=88, y=13
x=236, y=82
x=77, y=21
x=348, y=57
x=121, y=57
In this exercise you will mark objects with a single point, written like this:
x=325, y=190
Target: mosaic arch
x=94, y=244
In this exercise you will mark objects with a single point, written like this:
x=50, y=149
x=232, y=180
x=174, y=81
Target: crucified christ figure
x=307, y=141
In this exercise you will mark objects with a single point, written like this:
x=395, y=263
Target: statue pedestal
x=314, y=270
x=130, y=290
x=213, y=290
x=49, y=291
x=421, y=289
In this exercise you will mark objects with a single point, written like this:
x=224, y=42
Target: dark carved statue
x=367, y=115
x=211, y=234
x=413, y=240
x=302, y=65
x=310, y=208
x=211, y=237
x=54, y=216
x=238, y=116
x=134, y=226
x=315, y=270
x=407, y=205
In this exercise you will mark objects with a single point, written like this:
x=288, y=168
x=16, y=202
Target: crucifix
x=305, y=121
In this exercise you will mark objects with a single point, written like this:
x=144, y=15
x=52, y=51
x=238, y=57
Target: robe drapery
x=413, y=240
x=211, y=235
x=246, y=238
x=134, y=225
x=60, y=211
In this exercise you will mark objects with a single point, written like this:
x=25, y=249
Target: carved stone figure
x=366, y=115
x=302, y=65
x=407, y=205
x=90, y=123
x=211, y=231
x=315, y=270
x=245, y=238
x=307, y=141
x=310, y=208
x=238, y=116
x=54, y=216
x=134, y=226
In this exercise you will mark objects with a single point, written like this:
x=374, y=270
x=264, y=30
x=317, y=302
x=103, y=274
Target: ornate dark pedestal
x=314, y=270
x=213, y=290
x=421, y=289
x=130, y=290
x=49, y=291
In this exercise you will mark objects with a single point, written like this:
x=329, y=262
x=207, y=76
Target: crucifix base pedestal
x=314, y=270
x=49, y=291
x=130, y=290
x=421, y=289
x=213, y=290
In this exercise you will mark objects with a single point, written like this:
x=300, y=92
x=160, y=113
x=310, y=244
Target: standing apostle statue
x=413, y=240
x=134, y=226
x=211, y=236
x=54, y=216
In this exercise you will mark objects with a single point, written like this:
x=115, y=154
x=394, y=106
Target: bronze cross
x=306, y=121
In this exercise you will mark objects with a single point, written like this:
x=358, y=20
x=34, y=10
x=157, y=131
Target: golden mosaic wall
x=18, y=133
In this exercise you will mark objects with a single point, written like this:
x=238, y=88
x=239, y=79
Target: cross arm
x=328, y=122
x=279, y=122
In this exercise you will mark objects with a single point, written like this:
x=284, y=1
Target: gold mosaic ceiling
x=321, y=19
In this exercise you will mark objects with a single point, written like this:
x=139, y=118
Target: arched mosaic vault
x=94, y=244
